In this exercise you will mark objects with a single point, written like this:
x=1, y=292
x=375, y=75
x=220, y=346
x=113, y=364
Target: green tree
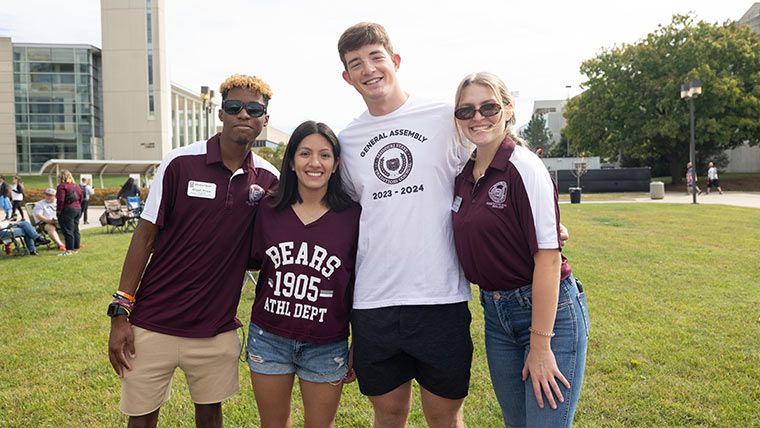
x=631, y=108
x=274, y=156
x=536, y=133
x=559, y=149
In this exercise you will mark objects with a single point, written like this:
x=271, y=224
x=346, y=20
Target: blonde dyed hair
x=499, y=88
x=248, y=82
x=65, y=177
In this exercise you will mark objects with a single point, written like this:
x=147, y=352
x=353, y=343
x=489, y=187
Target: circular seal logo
x=498, y=193
x=393, y=163
x=255, y=193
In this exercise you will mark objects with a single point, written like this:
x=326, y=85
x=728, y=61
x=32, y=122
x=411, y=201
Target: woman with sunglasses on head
x=304, y=245
x=506, y=231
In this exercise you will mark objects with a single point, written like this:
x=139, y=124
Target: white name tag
x=199, y=189
x=456, y=204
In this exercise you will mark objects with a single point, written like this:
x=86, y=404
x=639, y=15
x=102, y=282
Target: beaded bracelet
x=540, y=333
x=120, y=294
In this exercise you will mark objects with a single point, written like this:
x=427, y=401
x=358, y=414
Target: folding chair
x=115, y=218
x=134, y=209
x=39, y=227
x=9, y=236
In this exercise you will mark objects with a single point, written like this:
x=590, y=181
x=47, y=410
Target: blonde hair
x=497, y=86
x=249, y=82
x=65, y=177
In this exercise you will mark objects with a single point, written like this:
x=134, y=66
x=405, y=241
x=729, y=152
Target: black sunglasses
x=253, y=109
x=486, y=110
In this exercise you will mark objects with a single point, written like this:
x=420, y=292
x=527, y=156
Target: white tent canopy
x=100, y=168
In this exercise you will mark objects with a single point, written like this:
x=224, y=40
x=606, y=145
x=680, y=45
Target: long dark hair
x=287, y=192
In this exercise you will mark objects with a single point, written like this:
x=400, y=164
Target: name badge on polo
x=199, y=189
x=456, y=204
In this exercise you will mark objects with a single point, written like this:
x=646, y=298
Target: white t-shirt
x=16, y=196
x=712, y=173
x=401, y=169
x=45, y=208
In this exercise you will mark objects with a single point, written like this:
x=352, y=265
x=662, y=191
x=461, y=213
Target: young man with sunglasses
x=196, y=229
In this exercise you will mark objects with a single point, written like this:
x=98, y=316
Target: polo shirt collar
x=214, y=154
x=500, y=160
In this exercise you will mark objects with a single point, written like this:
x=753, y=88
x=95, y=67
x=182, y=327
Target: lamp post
x=690, y=91
x=567, y=100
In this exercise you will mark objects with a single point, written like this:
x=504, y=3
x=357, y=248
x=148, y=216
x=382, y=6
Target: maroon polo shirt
x=205, y=212
x=501, y=221
x=306, y=277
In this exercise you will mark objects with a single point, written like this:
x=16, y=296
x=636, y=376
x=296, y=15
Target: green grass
x=671, y=289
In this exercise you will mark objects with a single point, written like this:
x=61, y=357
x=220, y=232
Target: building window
x=149, y=41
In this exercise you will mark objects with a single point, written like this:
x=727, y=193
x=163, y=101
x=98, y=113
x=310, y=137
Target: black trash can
x=575, y=195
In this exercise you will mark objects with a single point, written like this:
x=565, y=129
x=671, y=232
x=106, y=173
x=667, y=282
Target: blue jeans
x=507, y=316
x=25, y=229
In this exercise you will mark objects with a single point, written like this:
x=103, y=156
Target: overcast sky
x=536, y=47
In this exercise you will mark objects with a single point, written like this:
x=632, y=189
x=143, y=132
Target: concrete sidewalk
x=739, y=199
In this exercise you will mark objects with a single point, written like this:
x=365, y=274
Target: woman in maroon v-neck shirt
x=304, y=245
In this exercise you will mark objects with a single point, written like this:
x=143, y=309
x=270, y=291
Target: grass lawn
x=671, y=289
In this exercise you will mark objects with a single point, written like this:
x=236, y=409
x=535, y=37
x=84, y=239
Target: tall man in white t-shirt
x=410, y=318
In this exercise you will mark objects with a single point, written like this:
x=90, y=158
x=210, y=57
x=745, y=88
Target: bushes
x=34, y=195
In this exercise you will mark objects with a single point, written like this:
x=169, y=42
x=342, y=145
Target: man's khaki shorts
x=210, y=366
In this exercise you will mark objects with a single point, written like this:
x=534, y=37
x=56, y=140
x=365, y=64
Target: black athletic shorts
x=430, y=343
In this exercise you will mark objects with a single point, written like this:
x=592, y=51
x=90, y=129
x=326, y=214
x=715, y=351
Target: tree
x=274, y=156
x=631, y=107
x=536, y=133
x=559, y=149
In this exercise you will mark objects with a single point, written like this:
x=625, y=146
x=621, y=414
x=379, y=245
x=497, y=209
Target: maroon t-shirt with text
x=205, y=212
x=306, y=277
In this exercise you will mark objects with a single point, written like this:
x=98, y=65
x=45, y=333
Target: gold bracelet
x=540, y=333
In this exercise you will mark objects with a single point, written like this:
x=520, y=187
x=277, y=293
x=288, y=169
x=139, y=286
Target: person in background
x=5, y=201
x=712, y=178
x=46, y=216
x=23, y=228
x=691, y=180
x=87, y=191
x=17, y=196
x=311, y=215
x=129, y=188
x=507, y=236
x=69, y=208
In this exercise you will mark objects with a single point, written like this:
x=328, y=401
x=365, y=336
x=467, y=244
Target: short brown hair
x=360, y=35
x=249, y=82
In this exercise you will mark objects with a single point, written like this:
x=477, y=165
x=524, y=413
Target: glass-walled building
x=58, y=103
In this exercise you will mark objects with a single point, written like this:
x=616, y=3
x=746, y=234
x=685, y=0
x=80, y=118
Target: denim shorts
x=272, y=354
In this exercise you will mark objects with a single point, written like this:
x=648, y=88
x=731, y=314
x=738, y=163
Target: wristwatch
x=115, y=310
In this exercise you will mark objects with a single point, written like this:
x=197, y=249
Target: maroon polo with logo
x=205, y=213
x=504, y=218
x=306, y=277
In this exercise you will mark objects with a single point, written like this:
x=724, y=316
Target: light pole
x=567, y=100
x=207, y=98
x=690, y=91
